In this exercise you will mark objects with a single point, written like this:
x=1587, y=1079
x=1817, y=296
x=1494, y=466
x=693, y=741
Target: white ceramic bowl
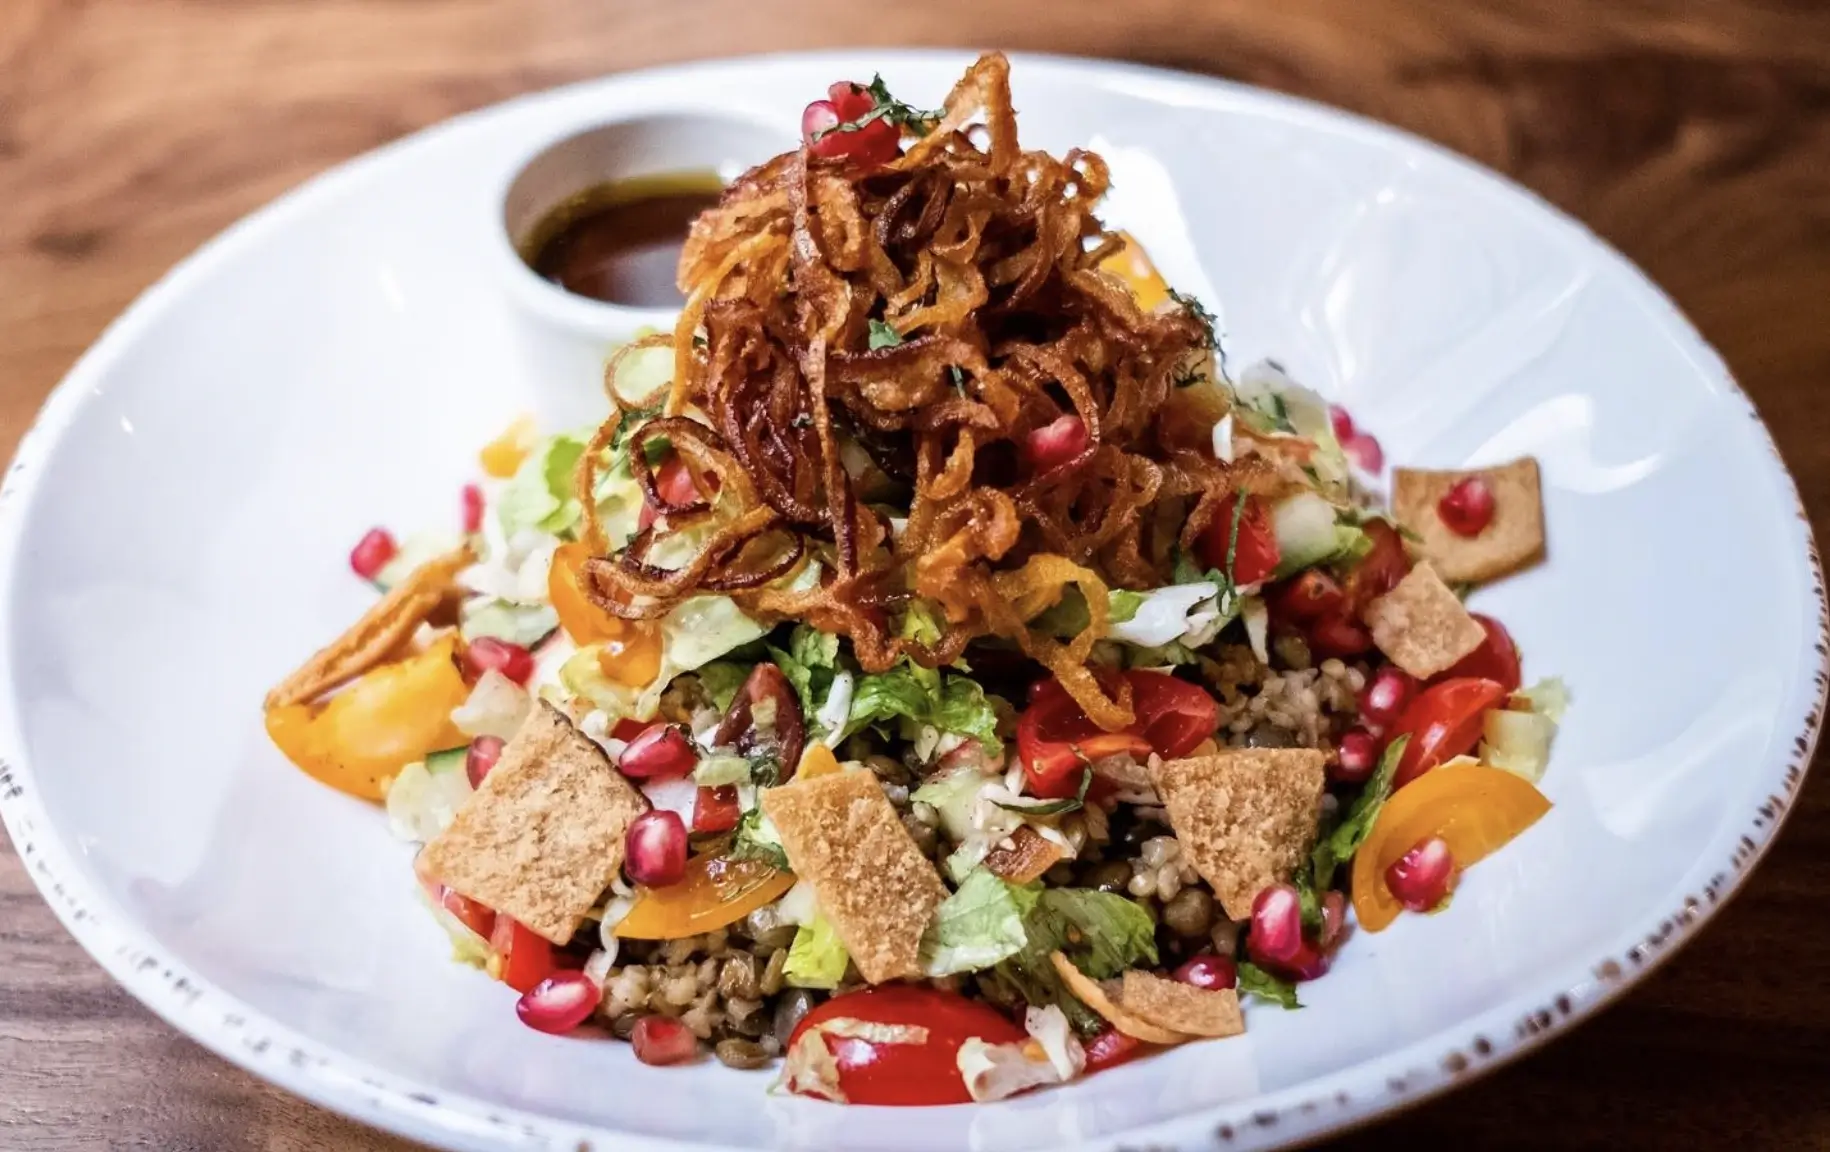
x=175, y=527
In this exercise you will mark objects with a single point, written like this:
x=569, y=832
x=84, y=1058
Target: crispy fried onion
x=861, y=366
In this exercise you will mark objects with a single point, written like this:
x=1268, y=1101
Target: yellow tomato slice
x=1475, y=809
x=715, y=893
x=501, y=456
x=384, y=720
x=1131, y=265
x=582, y=619
x=818, y=760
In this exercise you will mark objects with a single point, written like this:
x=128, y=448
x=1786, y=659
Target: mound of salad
x=939, y=675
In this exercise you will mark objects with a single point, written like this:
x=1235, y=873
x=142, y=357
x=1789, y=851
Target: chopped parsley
x=883, y=335
x=1201, y=315
x=885, y=107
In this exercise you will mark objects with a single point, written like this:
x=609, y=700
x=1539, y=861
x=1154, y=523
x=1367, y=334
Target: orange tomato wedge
x=1132, y=266
x=384, y=720
x=1476, y=809
x=501, y=456
x=817, y=761
x=715, y=893
x=583, y=620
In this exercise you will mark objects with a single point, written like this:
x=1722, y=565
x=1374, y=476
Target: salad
x=939, y=675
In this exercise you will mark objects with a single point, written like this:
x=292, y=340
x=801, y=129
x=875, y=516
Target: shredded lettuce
x=817, y=958
x=1174, y=613
x=810, y=663
x=757, y=839
x=923, y=696
x=1102, y=933
x=422, y=803
x=721, y=679
x=1356, y=825
x=414, y=551
x=1122, y=604
x=1517, y=742
x=977, y=926
x=1255, y=981
x=1549, y=696
x=540, y=494
x=704, y=628
x=523, y=624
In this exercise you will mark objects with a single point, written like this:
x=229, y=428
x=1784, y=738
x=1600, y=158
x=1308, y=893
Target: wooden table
x=1693, y=135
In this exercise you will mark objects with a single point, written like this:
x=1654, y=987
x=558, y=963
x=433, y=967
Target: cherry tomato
x=1309, y=596
x=1255, y=555
x=470, y=914
x=1497, y=658
x=1055, y=740
x=1111, y=1048
x=526, y=958
x=674, y=482
x=873, y=1072
x=1443, y=722
x=874, y=143
x=1379, y=571
x=1339, y=635
x=716, y=809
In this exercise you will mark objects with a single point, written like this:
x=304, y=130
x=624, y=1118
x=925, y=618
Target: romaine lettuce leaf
x=516, y=623
x=1255, y=981
x=1103, y=934
x=816, y=959
x=1356, y=825
x=540, y=494
x=977, y=926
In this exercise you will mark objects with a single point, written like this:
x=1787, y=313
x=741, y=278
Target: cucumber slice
x=447, y=760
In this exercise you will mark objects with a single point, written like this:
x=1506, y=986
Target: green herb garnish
x=883, y=335
x=885, y=107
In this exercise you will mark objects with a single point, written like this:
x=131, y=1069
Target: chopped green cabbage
x=422, y=803
x=1517, y=742
x=523, y=624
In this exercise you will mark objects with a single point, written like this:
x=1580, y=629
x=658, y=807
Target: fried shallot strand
x=861, y=362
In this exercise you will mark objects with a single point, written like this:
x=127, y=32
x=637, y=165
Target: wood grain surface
x=1695, y=136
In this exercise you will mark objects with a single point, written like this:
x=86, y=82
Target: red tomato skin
x=1443, y=722
x=470, y=913
x=1055, y=740
x=1256, y=554
x=674, y=481
x=1379, y=571
x=1111, y=1048
x=908, y=1074
x=527, y=957
x=716, y=809
x=1497, y=658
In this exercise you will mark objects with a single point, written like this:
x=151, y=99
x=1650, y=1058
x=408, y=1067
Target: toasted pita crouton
x=381, y=632
x=1179, y=1007
x=543, y=837
x=1245, y=816
x=1513, y=539
x=1421, y=624
x=843, y=836
x=1103, y=999
x=1030, y=855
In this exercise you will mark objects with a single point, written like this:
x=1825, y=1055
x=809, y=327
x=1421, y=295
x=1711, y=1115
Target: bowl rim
x=1353, y=1096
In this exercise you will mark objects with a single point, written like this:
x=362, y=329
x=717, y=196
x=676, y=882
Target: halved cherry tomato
x=782, y=737
x=1473, y=808
x=1379, y=571
x=1255, y=554
x=1056, y=741
x=1339, y=634
x=582, y=619
x=716, y=809
x=524, y=957
x=1111, y=1048
x=714, y=892
x=1443, y=722
x=473, y=915
x=1497, y=658
x=676, y=485
x=887, y=1071
x=1310, y=595
x=385, y=720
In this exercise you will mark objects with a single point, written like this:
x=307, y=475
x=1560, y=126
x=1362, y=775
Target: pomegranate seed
x=1209, y=971
x=1309, y=963
x=662, y=1040
x=487, y=652
x=1342, y=423
x=1363, y=449
x=559, y=1003
x=1386, y=694
x=483, y=754
x=655, y=849
x=1056, y=443
x=372, y=553
x=1421, y=878
x=472, y=497
x=1334, y=918
x=660, y=752
x=1357, y=754
x=1467, y=508
x=1276, y=935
